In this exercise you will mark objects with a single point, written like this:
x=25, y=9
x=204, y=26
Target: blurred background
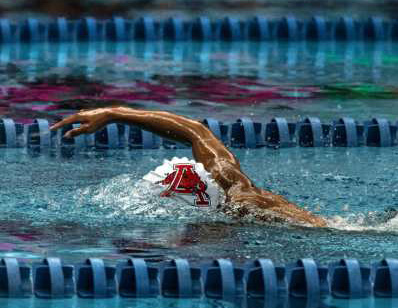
x=211, y=8
x=290, y=59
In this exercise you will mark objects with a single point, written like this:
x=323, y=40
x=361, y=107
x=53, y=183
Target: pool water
x=95, y=203
x=224, y=80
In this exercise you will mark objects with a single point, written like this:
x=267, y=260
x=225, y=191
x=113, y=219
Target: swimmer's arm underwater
x=243, y=196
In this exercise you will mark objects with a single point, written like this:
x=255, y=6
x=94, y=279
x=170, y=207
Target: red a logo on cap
x=185, y=180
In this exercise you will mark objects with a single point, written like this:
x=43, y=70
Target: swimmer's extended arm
x=207, y=149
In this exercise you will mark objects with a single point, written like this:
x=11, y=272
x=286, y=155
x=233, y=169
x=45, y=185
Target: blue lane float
x=82, y=141
x=52, y=279
x=59, y=30
x=145, y=29
x=87, y=29
x=11, y=134
x=112, y=136
x=38, y=134
x=279, y=133
x=180, y=280
x=108, y=137
x=393, y=30
x=78, y=142
x=6, y=34
x=257, y=28
x=349, y=279
x=265, y=280
x=346, y=29
x=150, y=140
x=228, y=29
x=374, y=29
x=201, y=29
x=385, y=278
x=219, y=129
x=94, y=279
x=142, y=139
x=8, y=133
x=31, y=30
x=312, y=133
x=174, y=29
x=220, y=279
x=214, y=126
x=137, y=279
x=244, y=133
x=346, y=132
x=15, y=279
x=117, y=29
x=317, y=29
x=380, y=133
x=307, y=279
x=288, y=29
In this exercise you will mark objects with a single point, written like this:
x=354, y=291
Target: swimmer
x=242, y=196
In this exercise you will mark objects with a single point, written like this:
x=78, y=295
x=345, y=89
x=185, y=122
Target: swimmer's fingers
x=83, y=129
x=68, y=120
x=91, y=121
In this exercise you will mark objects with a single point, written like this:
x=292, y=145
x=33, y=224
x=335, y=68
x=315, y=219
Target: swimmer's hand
x=91, y=121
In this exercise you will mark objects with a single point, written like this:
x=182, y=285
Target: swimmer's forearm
x=165, y=124
x=206, y=148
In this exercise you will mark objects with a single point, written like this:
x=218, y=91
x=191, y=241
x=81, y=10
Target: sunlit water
x=223, y=80
x=96, y=203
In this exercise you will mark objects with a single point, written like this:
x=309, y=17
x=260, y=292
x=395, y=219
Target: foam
x=371, y=221
x=125, y=197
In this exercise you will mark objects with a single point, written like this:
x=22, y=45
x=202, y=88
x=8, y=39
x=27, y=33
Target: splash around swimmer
x=242, y=197
x=186, y=180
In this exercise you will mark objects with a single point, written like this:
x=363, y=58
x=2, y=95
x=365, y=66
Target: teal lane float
x=218, y=279
x=146, y=28
x=244, y=133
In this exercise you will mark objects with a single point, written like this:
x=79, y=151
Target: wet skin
x=242, y=196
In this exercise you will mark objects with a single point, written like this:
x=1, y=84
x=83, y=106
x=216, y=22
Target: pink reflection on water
x=7, y=246
x=122, y=59
x=54, y=98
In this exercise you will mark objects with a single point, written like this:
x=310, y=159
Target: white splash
x=214, y=192
x=371, y=221
x=126, y=197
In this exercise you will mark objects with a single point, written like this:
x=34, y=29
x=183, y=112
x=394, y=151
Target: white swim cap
x=186, y=180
